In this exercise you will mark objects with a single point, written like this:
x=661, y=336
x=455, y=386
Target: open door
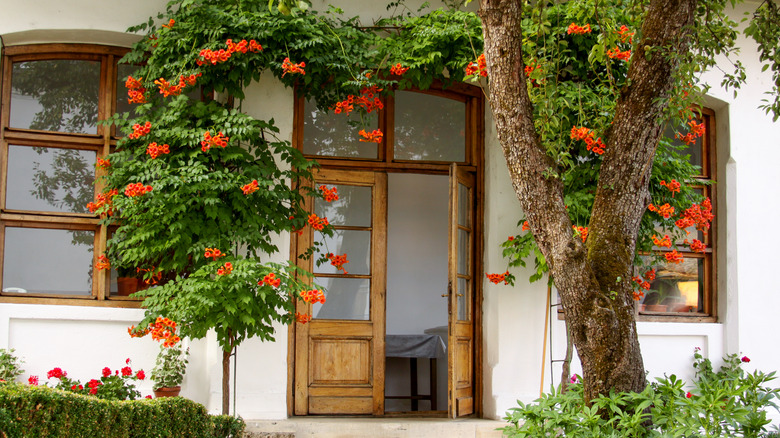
x=340, y=353
x=461, y=293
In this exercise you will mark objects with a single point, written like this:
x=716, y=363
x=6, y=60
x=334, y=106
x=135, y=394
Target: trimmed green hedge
x=39, y=411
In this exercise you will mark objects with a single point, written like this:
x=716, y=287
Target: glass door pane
x=347, y=288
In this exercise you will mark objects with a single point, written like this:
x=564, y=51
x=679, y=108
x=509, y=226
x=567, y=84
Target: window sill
x=87, y=301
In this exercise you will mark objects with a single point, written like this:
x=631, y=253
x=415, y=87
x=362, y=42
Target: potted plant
x=10, y=365
x=168, y=371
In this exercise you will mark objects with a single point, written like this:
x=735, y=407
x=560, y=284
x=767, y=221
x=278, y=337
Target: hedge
x=40, y=411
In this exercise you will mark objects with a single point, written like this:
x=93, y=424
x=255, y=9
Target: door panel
x=339, y=355
x=461, y=293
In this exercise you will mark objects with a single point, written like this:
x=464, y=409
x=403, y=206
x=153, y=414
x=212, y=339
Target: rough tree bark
x=593, y=279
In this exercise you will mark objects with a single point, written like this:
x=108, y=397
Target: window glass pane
x=336, y=135
x=429, y=128
x=345, y=298
x=463, y=205
x=464, y=244
x=50, y=179
x=55, y=95
x=356, y=244
x=353, y=208
x=39, y=260
x=464, y=299
x=678, y=287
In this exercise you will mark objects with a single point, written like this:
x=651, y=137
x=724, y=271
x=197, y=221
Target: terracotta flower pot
x=167, y=391
x=656, y=307
x=126, y=285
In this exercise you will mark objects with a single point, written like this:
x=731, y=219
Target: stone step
x=304, y=427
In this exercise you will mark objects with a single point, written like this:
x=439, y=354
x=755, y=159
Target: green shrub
x=37, y=411
x=729, y=402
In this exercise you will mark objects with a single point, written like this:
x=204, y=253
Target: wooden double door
x=339, y=356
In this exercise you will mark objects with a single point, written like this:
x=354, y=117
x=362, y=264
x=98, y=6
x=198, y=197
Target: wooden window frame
x=471, y=95
x=710, y=294
x=102, y=143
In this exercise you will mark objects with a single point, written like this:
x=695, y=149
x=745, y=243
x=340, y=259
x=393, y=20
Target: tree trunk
x=225, y=382
x=226, y=374
x=593, y=279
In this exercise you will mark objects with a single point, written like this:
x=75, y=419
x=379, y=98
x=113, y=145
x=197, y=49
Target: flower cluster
x=313, y=296
x=170, y=24
x=151, y=280
x=593, y=144
x=697, y=130
x=154, y=150
x=374, y=136
x=398, y=70
x=102, y=263
x=135, y=90
x=225, y=270
x=210, y=141
x=625, y=35
x=699, y=215
x=581, y=231
x=289, y=67
x=696, y=246
x=616, y=53
x=330, y=195
x=111, y=386
x=665, y=242
x=672, y=185
x=477, y=67
x=250, y=188
x=498, y=278
x=243, y=46
x=140, y=130
x=368, y=99
x=56, y=373
x=643, y=283
x=164, y=329
x=103, y=200
x=101, y=163
x=528, y=69
x=222, y=55
x=317, y=222
x=665, y=210
x=137, y=189
x=213, y=253
x=526, y=226
x=673, y=257
x=338, y=261
x=270, y=280
x=303, y=318
x=578, y=30
x=166, y=89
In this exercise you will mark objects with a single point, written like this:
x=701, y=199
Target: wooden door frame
x=476, y=144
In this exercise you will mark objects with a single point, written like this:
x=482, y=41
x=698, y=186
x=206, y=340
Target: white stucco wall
x=83, y=340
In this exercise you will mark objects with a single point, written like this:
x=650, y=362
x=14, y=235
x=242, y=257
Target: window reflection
x=37, y=260
x=336, y=135
x=50, y=179
x=430, y=128
x=676, y=288
x=55, y=95
x=345, y=298
x=353, y=208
